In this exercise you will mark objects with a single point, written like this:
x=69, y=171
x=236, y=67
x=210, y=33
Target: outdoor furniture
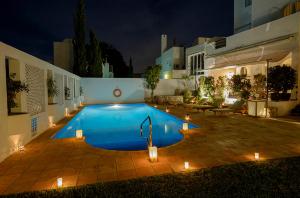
x=203, y=108
x=222, y=111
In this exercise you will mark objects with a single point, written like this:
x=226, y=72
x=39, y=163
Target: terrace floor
x=220, y=140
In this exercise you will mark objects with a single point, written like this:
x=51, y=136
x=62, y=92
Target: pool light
x=256, y=156
x=185, y=126
x=67, y=112
x=116, y=106
x=186, y=165
x=187, y=117
x=59, y=182
x=155, y=106
x=79, y=133
x=152, y=153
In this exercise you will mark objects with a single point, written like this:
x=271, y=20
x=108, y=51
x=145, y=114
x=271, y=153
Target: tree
x=130, y=68
x=241, y=86
x=94, y=57
x=79, y=49
x=152, y=78
x=115, y=58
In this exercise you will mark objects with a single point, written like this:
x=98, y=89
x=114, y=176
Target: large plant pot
x=285, y=96
x=275, y=96
x=280, y=96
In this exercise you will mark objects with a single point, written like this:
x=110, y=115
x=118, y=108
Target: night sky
x=132, y=26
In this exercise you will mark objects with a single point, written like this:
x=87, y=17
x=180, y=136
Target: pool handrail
x=149, y=140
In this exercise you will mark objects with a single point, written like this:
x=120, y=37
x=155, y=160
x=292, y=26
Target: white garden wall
x=100, y=90
x=16, y=130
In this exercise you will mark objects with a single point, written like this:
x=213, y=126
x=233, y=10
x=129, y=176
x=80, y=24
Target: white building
x=63, y=54
x=107, y=70
x=265, y=31
x=171, y=60
x=64, y=58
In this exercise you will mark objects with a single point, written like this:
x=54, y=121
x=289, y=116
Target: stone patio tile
x=124, y=160
x=8, y=179
x=87, y=179
x=19, y=187
x=141, y=162
x=70, y=180
x=70, y=171
x=145, y=171
x=107, y=169
x=52, y=173
x=161, y=168
x=125, y=166
x=107, y=176
x=126, y=174
x=45, y=184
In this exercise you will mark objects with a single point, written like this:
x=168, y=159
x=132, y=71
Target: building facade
x=63, y=54
x=171, y=60
x=266, y=33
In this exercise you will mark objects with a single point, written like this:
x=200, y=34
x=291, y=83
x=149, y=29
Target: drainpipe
x=267, y=101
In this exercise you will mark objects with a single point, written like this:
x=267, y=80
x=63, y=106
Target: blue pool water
x=117, y=127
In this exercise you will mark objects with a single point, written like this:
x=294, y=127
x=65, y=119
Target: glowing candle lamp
x=51, y=121
x=152, y=153
x=185, y=126
x=186, y=165
x=66, y=112
x=21, y=148
x=80, y=104
x=187, y=117
x=59, y=182
x=155, y=106
x=79, y=133
x=167, y=110
x=256, y=156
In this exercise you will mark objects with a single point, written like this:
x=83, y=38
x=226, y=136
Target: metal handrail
x=150, y=130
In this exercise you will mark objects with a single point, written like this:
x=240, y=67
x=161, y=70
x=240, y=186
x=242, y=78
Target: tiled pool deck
x=220, y=140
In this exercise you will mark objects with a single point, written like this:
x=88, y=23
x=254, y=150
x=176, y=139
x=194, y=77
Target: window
x=248, y=3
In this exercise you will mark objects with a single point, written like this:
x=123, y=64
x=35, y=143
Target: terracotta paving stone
x=219, y=140
x=70, y=180
x=104, y=177
x=145, y=171
x=87, y=179
x=49, y=183
x=107, y=169
x=141, y=162
x=162, y=168
x=126, y=174
x=125, y=166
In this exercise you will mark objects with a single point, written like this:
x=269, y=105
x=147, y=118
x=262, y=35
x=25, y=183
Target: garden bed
x=272, y=178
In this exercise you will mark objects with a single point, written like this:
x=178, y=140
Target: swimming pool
x=117, y=127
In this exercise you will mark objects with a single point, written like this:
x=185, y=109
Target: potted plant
x=240, y=86
x=52, y=90
x=281, y=79
x=67, y=93
x=259, y=86
x=13, y=87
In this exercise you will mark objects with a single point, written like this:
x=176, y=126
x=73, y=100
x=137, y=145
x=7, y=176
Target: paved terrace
x=220, y=140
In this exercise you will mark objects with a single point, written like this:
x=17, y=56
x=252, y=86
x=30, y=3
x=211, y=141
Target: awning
x=273, y=50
